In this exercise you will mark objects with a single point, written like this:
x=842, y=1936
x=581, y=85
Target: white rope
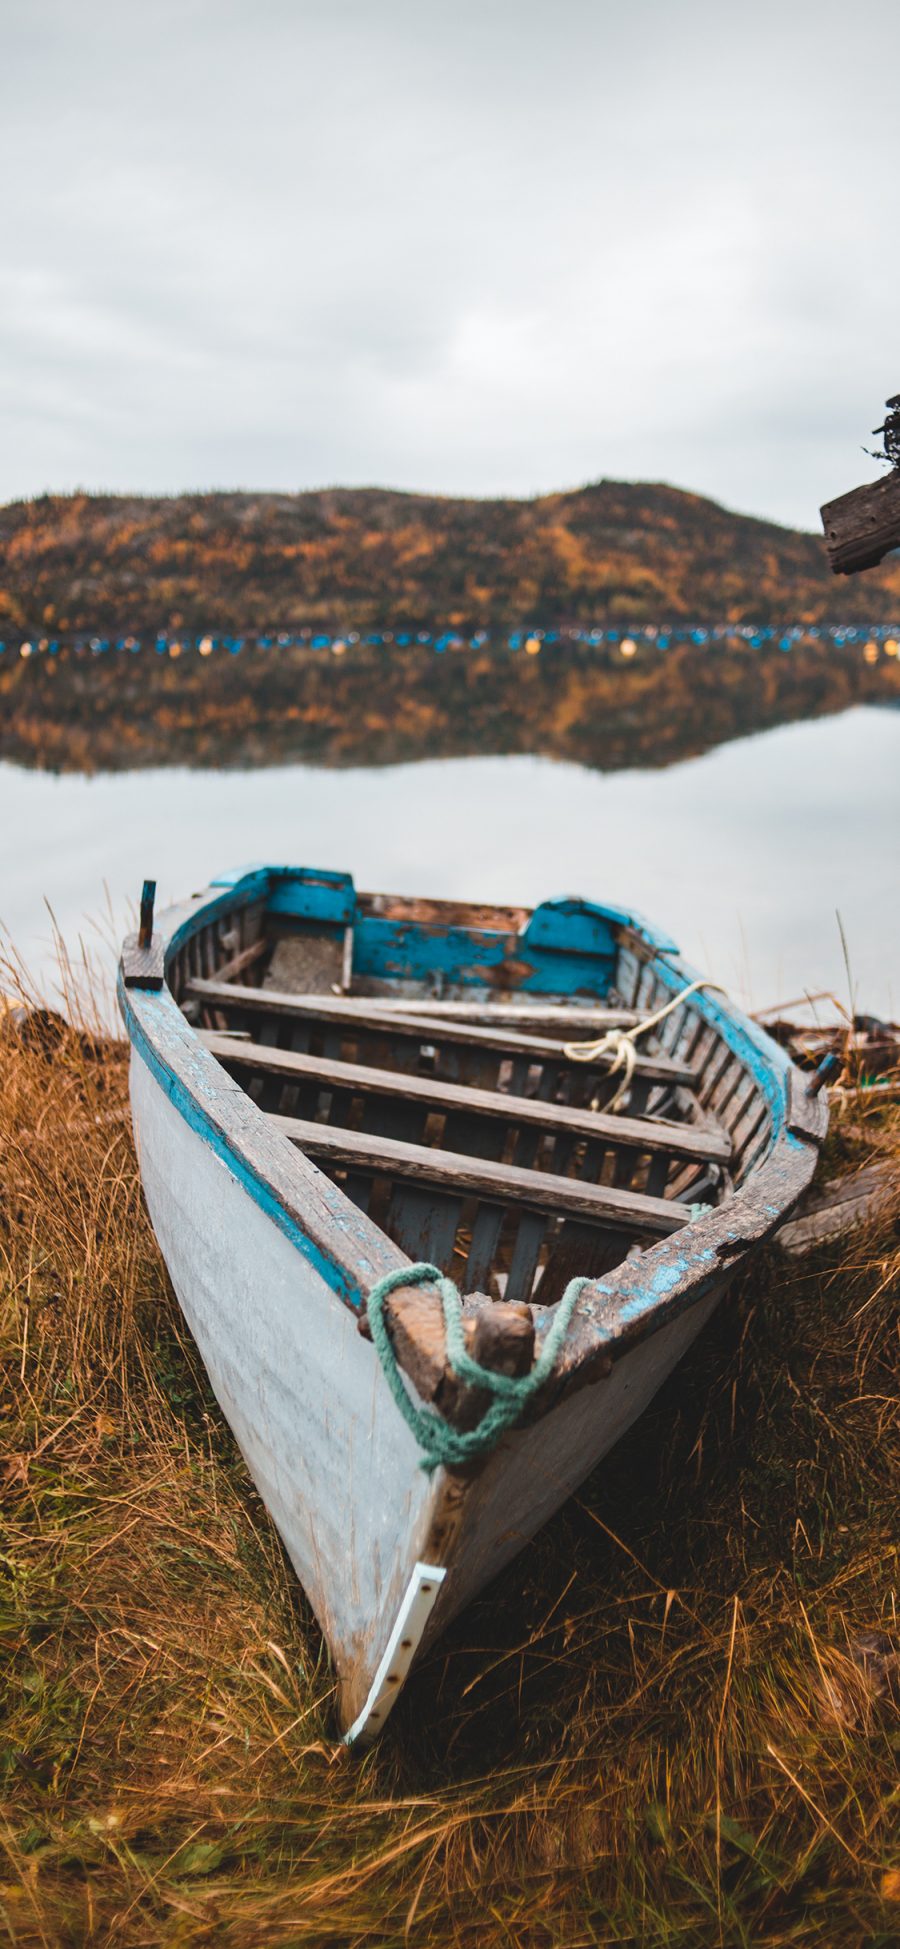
x=620, y=1043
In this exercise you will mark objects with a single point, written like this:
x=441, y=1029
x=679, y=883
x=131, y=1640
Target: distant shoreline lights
x=873, y=640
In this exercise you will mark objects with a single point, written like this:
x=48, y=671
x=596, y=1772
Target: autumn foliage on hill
x=365, y=557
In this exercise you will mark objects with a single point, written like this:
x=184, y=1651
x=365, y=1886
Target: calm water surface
x=745, y=855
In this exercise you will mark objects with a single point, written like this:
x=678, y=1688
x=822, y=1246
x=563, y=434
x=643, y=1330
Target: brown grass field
x=661, y=1726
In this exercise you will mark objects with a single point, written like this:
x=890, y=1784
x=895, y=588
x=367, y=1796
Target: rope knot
x=621, y=1043
x=442, y=1443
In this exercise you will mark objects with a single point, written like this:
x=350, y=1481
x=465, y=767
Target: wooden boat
x=329, y=1087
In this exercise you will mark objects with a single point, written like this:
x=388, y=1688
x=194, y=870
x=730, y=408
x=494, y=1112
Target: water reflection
x=299, y=706
x=744, y=854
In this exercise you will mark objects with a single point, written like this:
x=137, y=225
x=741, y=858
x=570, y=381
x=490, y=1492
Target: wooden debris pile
x=868, y=1051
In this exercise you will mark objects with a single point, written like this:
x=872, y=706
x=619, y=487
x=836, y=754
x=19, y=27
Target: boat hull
x=305, y=1396
x=273, y=1259
x=335, y=1464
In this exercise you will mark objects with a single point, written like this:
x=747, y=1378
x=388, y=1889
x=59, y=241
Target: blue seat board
x=400, y=950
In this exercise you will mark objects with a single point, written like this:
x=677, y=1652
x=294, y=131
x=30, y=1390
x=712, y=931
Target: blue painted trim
x=330, y=897
x=572, y=921
x=570, y=926
x=587, y=976
x=642, y=1294
x=768, y=1064
x=204, y=1124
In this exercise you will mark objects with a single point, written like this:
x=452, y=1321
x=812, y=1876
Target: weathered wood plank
x=658, y=1175
x=425, y=912
x=720, y=1062
x=863, y=526
x=452, y=1171
x=143, y=965
x=477, y=1136
x=754, y=1118
x=239, y=963
x=728, y=1082
x=337, y=1009
x=807, y=1107
x=839, y=1206
x=525, y=1254
x=485, y=1234
x=637, y=1133
x=529, y=1016
x=423, y=1224
x=502, y=1337
x=579, y=1251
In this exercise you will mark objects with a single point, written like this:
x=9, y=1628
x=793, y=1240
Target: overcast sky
x=472, y=246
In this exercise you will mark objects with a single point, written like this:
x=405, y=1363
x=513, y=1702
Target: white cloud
x=493, y=246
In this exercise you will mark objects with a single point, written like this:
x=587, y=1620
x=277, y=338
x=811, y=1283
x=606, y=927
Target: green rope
x=442, y=1443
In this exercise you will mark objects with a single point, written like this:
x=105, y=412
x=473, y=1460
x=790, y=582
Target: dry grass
x=653, y=1730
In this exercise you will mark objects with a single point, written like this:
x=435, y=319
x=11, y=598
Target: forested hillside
x=362, y=557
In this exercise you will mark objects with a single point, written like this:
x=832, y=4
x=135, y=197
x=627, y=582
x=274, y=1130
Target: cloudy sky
x=472, y=246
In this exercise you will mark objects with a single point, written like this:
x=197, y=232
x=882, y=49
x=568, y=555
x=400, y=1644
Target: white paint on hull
x=334, y=1462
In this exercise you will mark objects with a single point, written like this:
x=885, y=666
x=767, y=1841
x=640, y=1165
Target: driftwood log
x=863, y=526
x=838, y=1207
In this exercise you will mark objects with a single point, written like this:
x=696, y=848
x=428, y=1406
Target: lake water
x=744, y=855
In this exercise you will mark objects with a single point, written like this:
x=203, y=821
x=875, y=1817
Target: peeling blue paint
x=313, y=895
x=399, y=950
x=664, y=1277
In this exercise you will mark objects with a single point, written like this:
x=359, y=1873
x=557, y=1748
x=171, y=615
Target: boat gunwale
x=351, y=1252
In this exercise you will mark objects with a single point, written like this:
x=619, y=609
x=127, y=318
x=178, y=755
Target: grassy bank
x=661, y=1726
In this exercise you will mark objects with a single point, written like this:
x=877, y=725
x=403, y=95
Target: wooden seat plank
x=523, y=1015
x=337, y=1010
x=639, y=1133
x=452, y=1172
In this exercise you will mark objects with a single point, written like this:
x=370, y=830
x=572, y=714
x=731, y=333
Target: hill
x=359, y=557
